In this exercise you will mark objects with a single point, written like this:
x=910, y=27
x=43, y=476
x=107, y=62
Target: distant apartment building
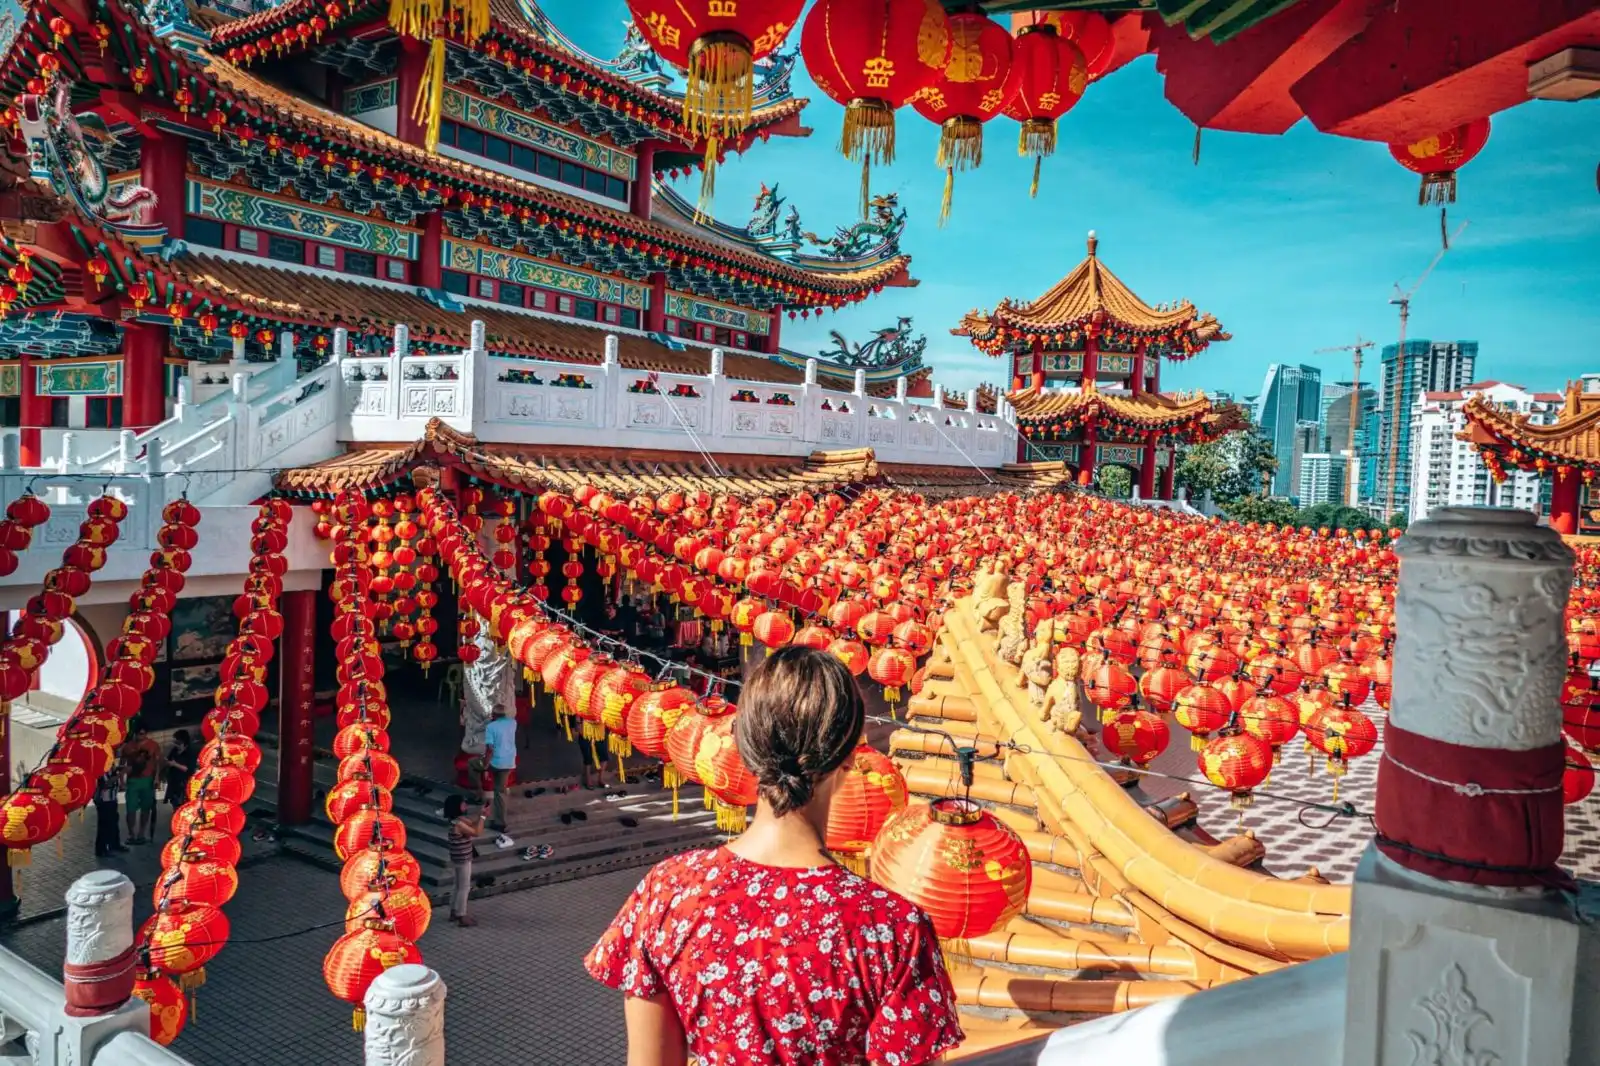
x=1322, y=478
x=1426, y=366
x=1447, y=472
x=1290, y=399
x=1337, y=414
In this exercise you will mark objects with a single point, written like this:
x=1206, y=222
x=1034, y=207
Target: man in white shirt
x=499, y=758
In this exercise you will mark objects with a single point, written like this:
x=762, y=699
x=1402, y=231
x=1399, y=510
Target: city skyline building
x=1427, y=366
x=1322, y=477
x=1447, y=471
x=1290, y=397
x=1336, y=436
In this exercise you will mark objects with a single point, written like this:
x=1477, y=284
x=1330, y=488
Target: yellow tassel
x=358, y=1019
x=429, y=104
x=670, y=778
x=1196, y=743
x=719, y=86
x=731, y=819
x=708, y=180
x=17, y=858
x=1038, y=139
x=705, y=797
x=1033, y=190
x=868, y=136
x=745, y=640
x=949, y=192
x=622, y=769
x=594, y=754
x=956, y=951
x=620, y=745
x=566, y=723
x=193, y=979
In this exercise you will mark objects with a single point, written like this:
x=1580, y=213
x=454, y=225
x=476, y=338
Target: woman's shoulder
x=876, y=905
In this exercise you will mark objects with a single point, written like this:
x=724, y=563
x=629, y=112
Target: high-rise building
x=1446, y=471
x=1322, y=477
x=1427, y=366
x=1336, y=436
x=1290, y=397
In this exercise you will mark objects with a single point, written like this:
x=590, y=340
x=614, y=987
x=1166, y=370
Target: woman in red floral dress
x=766, y=950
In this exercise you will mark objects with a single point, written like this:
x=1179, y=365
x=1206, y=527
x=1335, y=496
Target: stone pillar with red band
x=99, y=968
x=1465, y=944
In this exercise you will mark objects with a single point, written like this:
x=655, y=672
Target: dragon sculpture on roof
x=880, y=232
x=892, y=346
x=764, y=222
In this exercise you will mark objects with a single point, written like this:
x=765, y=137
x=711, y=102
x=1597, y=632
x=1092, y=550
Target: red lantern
x=211, y=814
x=869, y=792
x=1051, y=79
x=977, y=83
x=651, y=718
x=347, y=798
x=891, y=668
x=1237, y=762
x=1202, y=710
x=204, y=881
x=966, y=869
x=183, y=937
x=1438, y=157
x=169, y=1007
x=872, y=57
x=28, y=816
x=363, y=828
x=773, y=628
x=202, y=845
x=356, y=959
x=1136, y=735
x=406, y=905
x=370, y=867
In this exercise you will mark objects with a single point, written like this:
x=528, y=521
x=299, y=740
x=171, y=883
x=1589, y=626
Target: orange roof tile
x=1151, y=409
x=1090, y=292
x=1573, y=439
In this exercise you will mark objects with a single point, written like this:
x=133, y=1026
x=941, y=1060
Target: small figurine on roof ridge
x=1061, y=700
x=1014, y=628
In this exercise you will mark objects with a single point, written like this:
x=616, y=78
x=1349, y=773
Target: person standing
x=499, y=758
x=463, y=831
x=181, y=758
x=141, y=763
x=107, y=837
x=765, y=950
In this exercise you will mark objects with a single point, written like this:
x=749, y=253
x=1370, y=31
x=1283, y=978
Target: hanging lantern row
x=199, y=864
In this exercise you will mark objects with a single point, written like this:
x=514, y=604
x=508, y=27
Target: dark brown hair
x=800, y=717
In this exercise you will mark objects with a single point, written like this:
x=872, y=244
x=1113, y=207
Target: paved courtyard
x=518, y=991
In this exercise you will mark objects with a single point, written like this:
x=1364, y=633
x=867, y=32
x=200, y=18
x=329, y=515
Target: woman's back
x=782, y=965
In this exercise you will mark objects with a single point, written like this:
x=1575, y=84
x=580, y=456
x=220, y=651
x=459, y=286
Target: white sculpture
x=405, y=1017
x=490, y=683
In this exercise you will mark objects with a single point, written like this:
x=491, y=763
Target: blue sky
x=1294, y=242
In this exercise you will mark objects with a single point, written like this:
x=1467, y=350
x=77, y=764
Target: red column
x=775, y=331
x=1136, y=382
x=1147, y=472
x=163, y=160
x=8, y=894
x=430, y=252
x=1166, y=474
x=144, y=393
x=35, y=413
x=639, y=198
x=413, y=60
x=1091, y=361
x=655, y=316
x=1564, y=497
x=1086, y=457
x=296, y=688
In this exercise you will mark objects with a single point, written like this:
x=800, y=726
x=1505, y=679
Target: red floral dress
x=769, y=964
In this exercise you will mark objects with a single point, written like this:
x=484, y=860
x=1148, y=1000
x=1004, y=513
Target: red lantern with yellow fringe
x=356, y=959
x=183, y=937
x=366, y=826
x=28, y=817
x=891, y=668
x=1237, y=762
x=869, y=792
x=210, y=814
x=1136, y=735
x=402, y=903
x=965, y=868
x=198, y=845
x=1202, y=710
x=720, y=768
x=1052, y=77
x=348, y=797
x=169, y=1008
x=1438, y=157
x=872, y=57
x=652, y=716
x=199, y=880
x=977, y=83
x=370, y=867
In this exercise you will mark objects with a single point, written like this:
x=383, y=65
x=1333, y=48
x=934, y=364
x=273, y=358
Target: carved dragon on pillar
x=59, y=154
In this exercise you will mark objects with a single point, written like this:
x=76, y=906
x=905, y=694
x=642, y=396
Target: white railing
x=502, y=399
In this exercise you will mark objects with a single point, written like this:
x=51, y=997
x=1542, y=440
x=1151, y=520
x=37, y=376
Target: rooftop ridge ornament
x=894, y=346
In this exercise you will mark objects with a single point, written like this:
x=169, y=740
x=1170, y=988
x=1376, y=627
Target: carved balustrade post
x=405, y=1018
x=98, y=969
x=1466, y=945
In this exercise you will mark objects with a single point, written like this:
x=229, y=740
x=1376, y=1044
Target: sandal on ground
x=613, y=797
x=566, y=817
x=580, y=816
x=628, y=822
x=466, y=921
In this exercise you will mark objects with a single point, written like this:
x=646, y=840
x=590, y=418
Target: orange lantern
x=1272, y=719
x=773, y=628
x=183, y=937
x=966, y=869
x=872, y=57
x=356, y=959
x=891, y=668
x=852, y=653
x=651, y=718
x=614, y=697
x=370, y=867
x=365, y=828
x=1137, y=735
x=1052, y=75
x=169, y=1007
x=1237, y=762
x=1161, y=686
x=378, y=767
x=869, y=792
x=1438, y=157
x=199, y=881
x=402, y=903
x=350, y=796
x=719, y=767
x=979, y=80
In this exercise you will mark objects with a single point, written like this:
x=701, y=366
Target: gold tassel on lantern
x=719, y=86
x=17, y=858
x=868, y=136
x=731, y=819
x=429, y=104
x=1038, y=139
x=960, y=148
x=708, y=179
x=358, y=1019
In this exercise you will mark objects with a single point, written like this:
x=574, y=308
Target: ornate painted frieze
x=1063, y=362
x=10, y=380
x=1114, y=364
x=679, y=306
x=480, y=114
x=492, y=263
x=79, y=379
x=1119, y=455
x=373, y=97
x=245, y=208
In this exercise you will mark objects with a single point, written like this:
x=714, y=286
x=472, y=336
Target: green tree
x=1115, y=482
x=1258, y=508
x=1201, y=468
x=1398, y=520
x=1228, y=468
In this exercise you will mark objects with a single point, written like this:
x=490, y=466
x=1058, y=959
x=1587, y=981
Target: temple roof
x=617, y=471
x=1572, y=440
x=1091, y=297
x=1147, y=411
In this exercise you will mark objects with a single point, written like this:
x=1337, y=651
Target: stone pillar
x=1086, y=457
x=405, y=1017
x=1463, y=946
x=34, y=413
x=1147, y=471
x=163, y=163
x=296, y=688
x=1565, y=496
x=430, y=251
x=1167, y=473
x=99, y=968
x=640, y=196
x=144, y=393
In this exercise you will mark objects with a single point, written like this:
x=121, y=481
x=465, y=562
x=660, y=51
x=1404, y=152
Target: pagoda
x=1568, y=450
x=1086, y=375
x=198, y=192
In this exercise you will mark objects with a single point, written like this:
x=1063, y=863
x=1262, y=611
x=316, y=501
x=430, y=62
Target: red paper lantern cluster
x=23, y=515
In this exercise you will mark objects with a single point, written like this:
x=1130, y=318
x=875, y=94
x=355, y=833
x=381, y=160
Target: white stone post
x=10, y=452
x=405, y=1017
x=286, y=350
x=860, y=387
x=719, y=418
x=397, y=355
x=900, y=390
x=341, y=344
x=611, y=406
x=99, y=967
x=69, y=451
x=474, y=375
x=1462, y=951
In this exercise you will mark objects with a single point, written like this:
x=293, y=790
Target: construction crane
x=1402, y=299
x=1351, y=474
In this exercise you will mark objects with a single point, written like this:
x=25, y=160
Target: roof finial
x=1093, y=242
